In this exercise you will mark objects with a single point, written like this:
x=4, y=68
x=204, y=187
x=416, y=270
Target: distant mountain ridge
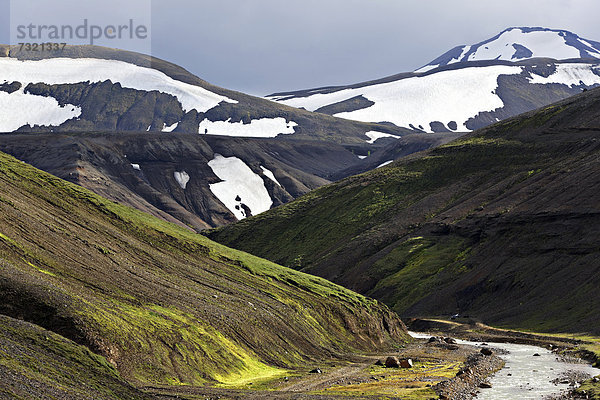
x=468, y=87
x=85, y=88
x=520, y=43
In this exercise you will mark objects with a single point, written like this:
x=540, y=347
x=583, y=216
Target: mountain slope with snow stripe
x=418, y=101
x=444, y=97
x=85, y=88
x=68, y=70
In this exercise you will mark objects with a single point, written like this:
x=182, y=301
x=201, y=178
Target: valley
x=433, y=234
x=490, y=225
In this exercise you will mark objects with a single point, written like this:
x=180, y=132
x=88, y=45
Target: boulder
x=392, y=362
x=536, y=355
x=433, y=339
x=406, y=363
x=379, y=362
x=449, y=340
x=485, y=385
x=486, y=352
x=316, y=371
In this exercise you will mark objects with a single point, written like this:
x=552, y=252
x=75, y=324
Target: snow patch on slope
x=270, y=175
x=541, y=44
x=70, y=70
x=384, y=164
x=264, y=127
x=591, y=49
x=239, y=186
x=374, y=135
x=571, y=75
x=464, y=52
x=170, y=128
x=182, y=178
x=446, y=96
x=19, y=108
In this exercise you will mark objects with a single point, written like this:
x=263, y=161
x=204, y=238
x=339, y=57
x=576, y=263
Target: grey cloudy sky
x=263, y=46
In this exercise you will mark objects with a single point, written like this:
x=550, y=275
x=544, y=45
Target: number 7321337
x=49, y=46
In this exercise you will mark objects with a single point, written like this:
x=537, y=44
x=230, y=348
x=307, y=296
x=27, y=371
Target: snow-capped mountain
x=470, y=86
x=515, y=44
x=86, y=88
x=163, y=140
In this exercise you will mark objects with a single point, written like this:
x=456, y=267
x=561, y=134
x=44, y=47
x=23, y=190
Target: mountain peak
x=521, y=43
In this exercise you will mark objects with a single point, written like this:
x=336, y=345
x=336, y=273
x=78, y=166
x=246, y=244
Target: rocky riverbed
x=530, y=372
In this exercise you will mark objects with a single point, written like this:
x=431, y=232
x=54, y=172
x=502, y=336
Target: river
x=525, y=376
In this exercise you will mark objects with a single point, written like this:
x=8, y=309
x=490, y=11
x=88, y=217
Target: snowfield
x=18, y=109
x=182, y=178
x=239, y=186
x=541, y=43
x=264, y=127
x=71, y=70
x=445, y=97
x=571, y=75
x=374, y=135
x=457, y=95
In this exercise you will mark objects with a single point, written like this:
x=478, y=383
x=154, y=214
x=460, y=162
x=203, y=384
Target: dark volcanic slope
x=164, y=305
x=502, y=224
x=102, y=162
x=393, y=150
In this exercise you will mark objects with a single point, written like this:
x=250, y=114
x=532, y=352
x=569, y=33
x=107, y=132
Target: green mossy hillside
x=36, y=363
x=162, y=304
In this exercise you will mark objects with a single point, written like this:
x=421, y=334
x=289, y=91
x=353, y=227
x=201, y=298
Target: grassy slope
x=501, y=223
x=163, y=305
x=36, y=363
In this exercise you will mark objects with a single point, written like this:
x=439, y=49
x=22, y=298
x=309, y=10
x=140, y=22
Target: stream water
x=525, y=376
